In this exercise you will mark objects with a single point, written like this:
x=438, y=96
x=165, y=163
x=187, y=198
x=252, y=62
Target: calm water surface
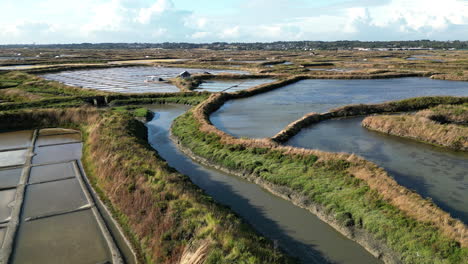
x=266, y=114
x=298, y=231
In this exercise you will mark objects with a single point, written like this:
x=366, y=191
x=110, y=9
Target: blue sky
x=76, y=21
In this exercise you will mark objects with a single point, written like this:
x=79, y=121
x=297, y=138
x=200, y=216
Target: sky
x=200, y=21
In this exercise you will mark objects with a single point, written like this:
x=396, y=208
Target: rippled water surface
x=266, y=114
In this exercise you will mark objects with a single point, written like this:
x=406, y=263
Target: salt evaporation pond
x=266, y=114
x=231, y=85
x=58, y=211
x=127, y=79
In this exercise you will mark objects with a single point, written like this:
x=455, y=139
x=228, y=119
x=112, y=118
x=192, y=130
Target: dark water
x=298, y=231
x=431, y=171
x=266, y=114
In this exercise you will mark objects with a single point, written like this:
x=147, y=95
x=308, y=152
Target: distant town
x=280, y=45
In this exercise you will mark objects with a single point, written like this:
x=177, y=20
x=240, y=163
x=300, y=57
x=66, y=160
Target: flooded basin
x=296, y=230
x=44, y=199
x=266, y=114
x=43, y=140
x=127, y=79
x=231, y=85
x=51, y=172
x=56, y=209
x=70, y=238
x=13, y=158
x=57, y=153
x=9, y=178
x=432, y=171
x=15, y=140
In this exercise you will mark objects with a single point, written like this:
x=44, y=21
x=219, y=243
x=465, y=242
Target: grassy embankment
x=436, y=126
x=354, y=192
x=167, y=218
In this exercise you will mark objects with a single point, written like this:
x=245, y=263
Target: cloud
x=248, y=20
x=160, y=6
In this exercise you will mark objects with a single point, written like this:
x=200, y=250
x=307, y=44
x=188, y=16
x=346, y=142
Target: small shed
x=185, y=75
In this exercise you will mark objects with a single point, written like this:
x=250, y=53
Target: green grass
x=329, y=184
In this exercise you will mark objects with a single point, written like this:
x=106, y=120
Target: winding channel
x=432, y=171
x=296, y=230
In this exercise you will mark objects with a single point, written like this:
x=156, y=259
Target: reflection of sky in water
x=431, y=171
x=126, y=79
x=266, y=114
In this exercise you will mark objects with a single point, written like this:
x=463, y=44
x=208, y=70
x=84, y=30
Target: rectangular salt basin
x=58, y=153
x=53, y=197
x=73, y=238
x=58, y=139
x=13, y=158
x=51, y=172
x=231, y=85
x=10, y=177
x=56, y=131
x=15, y=140
x=7, y=197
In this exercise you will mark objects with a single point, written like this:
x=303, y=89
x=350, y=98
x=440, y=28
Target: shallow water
x=71, y=238
x=57, y=153
x=231, y=85
x=431, y=171
x=13, y=158
x=126, y=79
x=53, y=197
x=297, y=230
x=51, y=172
x=10, y=177
x=52, y=191
x=15, y=140
x=58, y=139
x=266, y=114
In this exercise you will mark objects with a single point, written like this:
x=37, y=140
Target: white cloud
x=230, y=33
x=162, y=20
x=156, y=9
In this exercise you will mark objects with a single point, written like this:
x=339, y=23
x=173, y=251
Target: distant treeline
x=280, y=45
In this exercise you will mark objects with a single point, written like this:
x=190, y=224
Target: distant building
x=185, y=75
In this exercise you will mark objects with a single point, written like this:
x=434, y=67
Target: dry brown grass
x=17, y=95
x=195, y=253
x=461, y=75
x=457, y=114
x=420, y=128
